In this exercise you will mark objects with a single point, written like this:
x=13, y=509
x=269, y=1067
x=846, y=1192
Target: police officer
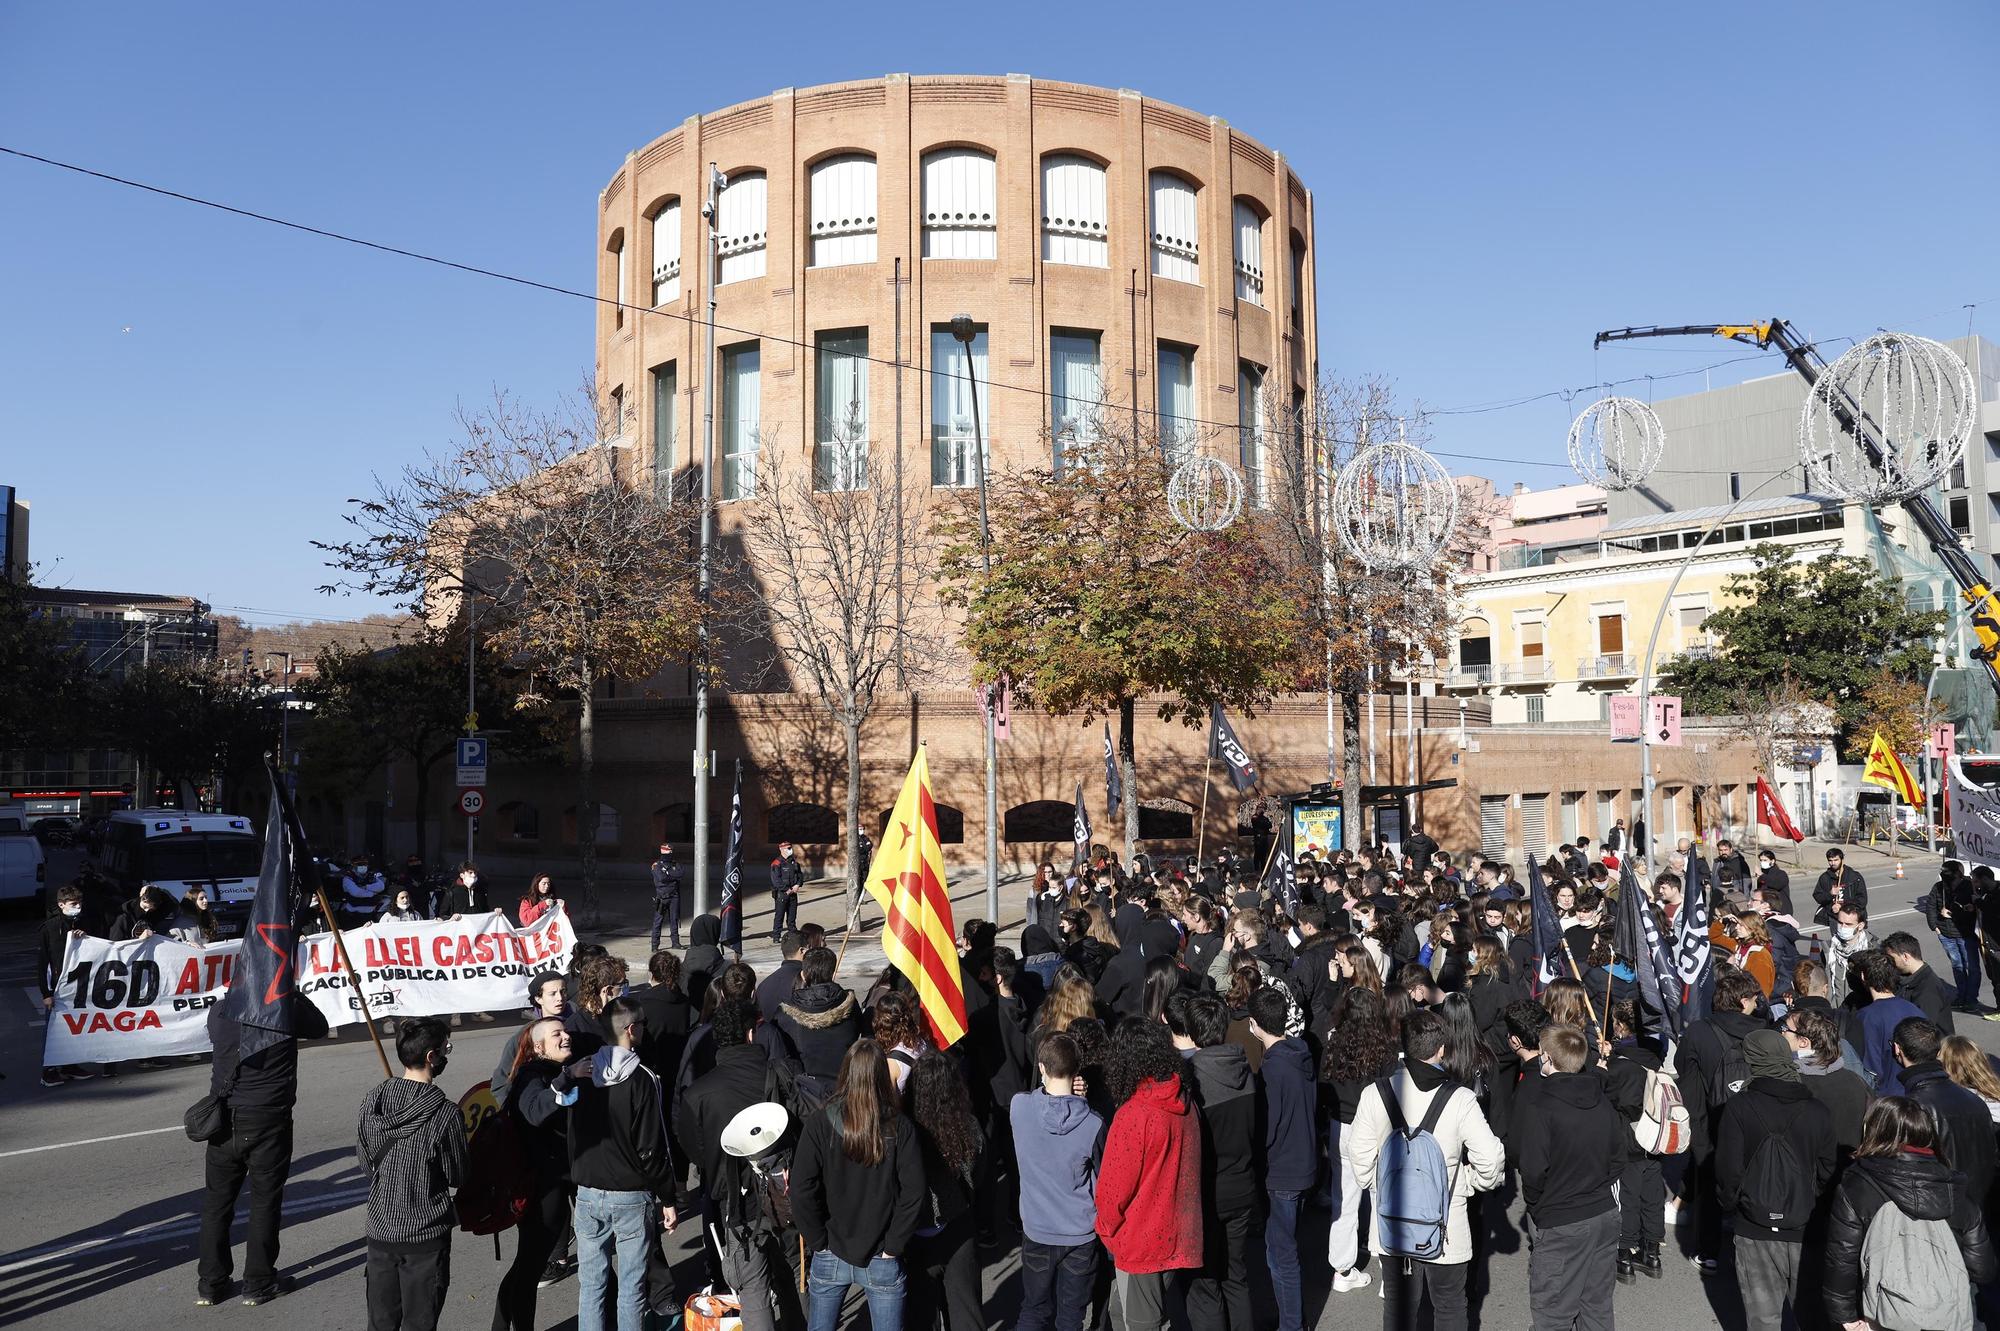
x=666, y=872
x=786, y=877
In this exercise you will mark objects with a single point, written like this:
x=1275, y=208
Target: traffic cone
x=1899, y=869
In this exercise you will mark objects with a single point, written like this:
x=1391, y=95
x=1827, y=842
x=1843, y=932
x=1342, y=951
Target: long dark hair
x=1162, y=979
x=1466, y=1056
x=1360, y=1046
x=937, y=1103
x=867, y=1103
x=1896, y=1123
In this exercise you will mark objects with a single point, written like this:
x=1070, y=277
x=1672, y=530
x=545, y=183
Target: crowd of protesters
x=1173, y=1066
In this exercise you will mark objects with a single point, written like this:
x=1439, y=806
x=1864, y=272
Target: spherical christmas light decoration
x=1918, y=411
x=1204, y=494
x=1616, y=443
x=1394, y=507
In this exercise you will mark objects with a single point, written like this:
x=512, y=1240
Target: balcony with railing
x=1533, y=670
x=1615, y=665
x=1468, y=676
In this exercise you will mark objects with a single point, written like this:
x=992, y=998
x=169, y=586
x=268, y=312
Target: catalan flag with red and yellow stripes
x=907, y=881
x=1886, y=769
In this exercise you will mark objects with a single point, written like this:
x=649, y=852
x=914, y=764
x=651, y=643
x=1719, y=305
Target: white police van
x=176, y=850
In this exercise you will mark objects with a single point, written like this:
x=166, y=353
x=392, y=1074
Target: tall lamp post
x=965, y=331
x=716, y=180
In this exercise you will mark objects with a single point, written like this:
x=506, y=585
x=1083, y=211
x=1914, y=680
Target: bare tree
x=569, y=566
x=821, y=547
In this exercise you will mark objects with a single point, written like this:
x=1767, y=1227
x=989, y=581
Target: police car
x=176, y=850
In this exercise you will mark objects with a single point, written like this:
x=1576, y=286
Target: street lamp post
x=965, y=331
x=716, y=180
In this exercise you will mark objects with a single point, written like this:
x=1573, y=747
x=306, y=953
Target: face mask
x=72, y=911
x=1765, y=865
x=1843, y=932
x=624, y=989
x=438, y=1067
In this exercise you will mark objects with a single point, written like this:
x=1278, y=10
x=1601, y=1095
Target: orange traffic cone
x=1899, y=869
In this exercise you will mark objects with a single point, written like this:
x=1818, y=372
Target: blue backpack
x=1413, y=1184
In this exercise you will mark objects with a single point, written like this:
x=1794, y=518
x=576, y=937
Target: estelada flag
x=1886, y=769
x=1771, y=813
x=907, y=882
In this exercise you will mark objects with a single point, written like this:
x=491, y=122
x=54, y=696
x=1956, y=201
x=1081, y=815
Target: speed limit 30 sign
x=470, y=802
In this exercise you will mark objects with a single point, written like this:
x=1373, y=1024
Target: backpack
x=1912, y=1274
x=1777, y=1191
x=499, y=1182
x=1735, y=1072
x=1663, y=1127
x=1413, y=1185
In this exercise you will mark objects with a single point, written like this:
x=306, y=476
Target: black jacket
x=819, y=1022
x=1419, y=848
x=1768, y=1107
x=1777, y=880
x=1490, y=995
x=776, y=987
x=1932, y=994
x=1853, y=888
x=411, y=1141
x=52, y=947
x=1091, y=957
x=669, y=1018
x=1199, y=954
x=1625, y=1077
x=856, y=1211
x=787, y=875
x=1232, y=1137
x=1700, y=1063
x=1845, y=1094
x=539, y=1119
x=704, y=960
x=1965, y=1129
x=267, y=1082
x=1291, y=1117
x=1571, y=1153
x=1312, y=982
x=666, y=872
x=618, y=1128
x=1926, y=1189
x=736, y=1082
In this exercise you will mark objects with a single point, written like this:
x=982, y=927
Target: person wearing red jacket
x=1149, y=1183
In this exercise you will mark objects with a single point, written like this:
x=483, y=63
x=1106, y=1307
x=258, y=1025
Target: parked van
x=23, y=871
x=175, y=850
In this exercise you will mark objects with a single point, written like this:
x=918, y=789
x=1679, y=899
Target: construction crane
x=1803, y=356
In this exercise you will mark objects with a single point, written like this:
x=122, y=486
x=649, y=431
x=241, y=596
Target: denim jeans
x=1344, y=1240
x=881, y=1280
x=1964, y=956
x=1056, y=1285
x=1281, y=1252
x=611, y=1226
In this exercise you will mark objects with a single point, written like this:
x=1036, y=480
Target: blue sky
x=188, y=397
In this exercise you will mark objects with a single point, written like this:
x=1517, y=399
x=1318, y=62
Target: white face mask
x=72, y=911
x=1843, y=932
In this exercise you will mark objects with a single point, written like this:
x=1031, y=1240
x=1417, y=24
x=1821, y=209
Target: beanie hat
x=1769, y=1055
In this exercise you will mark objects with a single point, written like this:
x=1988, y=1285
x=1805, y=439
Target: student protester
x=1965, y=1128
x=1951, y=908
x=1838, y=886
x=1571, y=1156
x=820, y=1020
x=1225, y=1095
x=548, y=996
x=1711, y=1067
x=942, y=1265
x=704, y=960
x=1875, y=1025
x=51, y=949
x=1641, y=1180
x=412, y=1145
x=857, y=1188
x=1967, y=1065
x=600, y=981
x=1149, y=1181
x=784, y=977
x=1466, y=1143
x=1359, y=1052
x=1056, y=1139
x=739, y=1225
x=1917, y=982
x=538, y=1118
x=1291, y=1151
x=1774, y=1153
x=622, y=1165
x=1824, y=1072
x=402, y=907
x=1770, y=878
x=538, y=900
x=1900, y=1164
x=1849, y=939
x=1525, y=1020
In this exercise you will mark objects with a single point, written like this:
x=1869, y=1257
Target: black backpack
x=1777, y=1188
x=1734, y=1073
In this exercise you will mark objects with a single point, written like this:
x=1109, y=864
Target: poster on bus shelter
x=149, y=998
x=1315, y=828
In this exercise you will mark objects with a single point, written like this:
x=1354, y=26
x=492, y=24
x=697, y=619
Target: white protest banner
x=150, y=998
x=1975, y=819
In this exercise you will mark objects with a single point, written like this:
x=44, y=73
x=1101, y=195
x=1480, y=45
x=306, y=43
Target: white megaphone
x=755, y=1130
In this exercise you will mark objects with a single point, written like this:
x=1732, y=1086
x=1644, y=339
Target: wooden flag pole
x=1207, y=779
x=1578, y=976
x=353, y=976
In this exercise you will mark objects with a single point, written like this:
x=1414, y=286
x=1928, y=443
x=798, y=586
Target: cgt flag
x=907, y=881
x=731, y=908
x=1771, y=813
x=1280, y=884
x=1694, y=955
x=259, y=999
x=1548, y=935
x=1886, y=769
x=1636, y=937
x=1222, y=744
x=1114, y=789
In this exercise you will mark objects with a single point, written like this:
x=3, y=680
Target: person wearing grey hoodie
x=412, y=1144
x=1059, y=1141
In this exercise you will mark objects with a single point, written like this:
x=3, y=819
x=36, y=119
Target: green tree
x=406, y=703
x=1833, y=628
x=1097, y=597
x=44, y=685
x=191, y=723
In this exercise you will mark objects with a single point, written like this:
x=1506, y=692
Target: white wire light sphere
x=1394, y=507
x=1616, y=442
x=1204, y=494
x=1918, y=410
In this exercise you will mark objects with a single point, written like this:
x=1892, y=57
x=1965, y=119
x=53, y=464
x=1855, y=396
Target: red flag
x=1772, y=814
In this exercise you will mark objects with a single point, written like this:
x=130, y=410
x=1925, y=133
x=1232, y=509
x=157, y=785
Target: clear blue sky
x=188, y=398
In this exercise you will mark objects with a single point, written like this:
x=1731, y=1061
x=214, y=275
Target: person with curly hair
x=942, y=1266
x=599, y=980
x=899, y=1029
x=1149, y=1183
x=1359, y=1051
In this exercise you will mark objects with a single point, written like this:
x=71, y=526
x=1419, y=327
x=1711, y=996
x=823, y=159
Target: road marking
x=90, y=1141
x=174, y=1227
x=34, y=993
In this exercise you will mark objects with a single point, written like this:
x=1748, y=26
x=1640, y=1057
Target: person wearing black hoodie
x=1291, y=1146
x=1964, y=1138
x=1709, y=1060
x=1311, y=974
x=1641, y=1181
x=1900, y=1164
x=1232, y=1140
x=411, y=1141
x=1571, y=1155
x=743, y=1230
x=704, y=960
x=1123, y=988
x=1774, y=1152
x=820, y=1020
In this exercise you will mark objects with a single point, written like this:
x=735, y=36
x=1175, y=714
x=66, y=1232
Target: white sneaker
x=1343, y=1281
x=1673, y=1214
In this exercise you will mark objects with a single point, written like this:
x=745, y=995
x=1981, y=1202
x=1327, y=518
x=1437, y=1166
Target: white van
x=175, y=850
x=23, y=872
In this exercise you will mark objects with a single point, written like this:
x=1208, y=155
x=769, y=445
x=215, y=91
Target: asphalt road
x=103, y=1190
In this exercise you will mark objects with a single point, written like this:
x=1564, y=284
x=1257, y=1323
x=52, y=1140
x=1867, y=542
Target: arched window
x=959, y=204
x=1039, y=820
x=1475, y=648
x=1074, y=216
x=1298, y=291
x=667, y=253
x=843, y=210
x=1165, y=820
x=522, y=821
x=1176, y=228
x=617, y=248
x=1249, y=252
x=805, y=824
x=741, y=225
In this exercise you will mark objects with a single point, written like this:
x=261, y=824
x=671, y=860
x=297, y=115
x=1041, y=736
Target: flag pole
x=1207, y=775
x=353, y=976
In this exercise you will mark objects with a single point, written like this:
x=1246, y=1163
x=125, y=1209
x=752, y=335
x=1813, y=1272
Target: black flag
x=1222, y=744
x=1637, y=938
x=731, y=909
x=1114, y=789
x=259, y=998
x=1279, y=882
x=1080, y=829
